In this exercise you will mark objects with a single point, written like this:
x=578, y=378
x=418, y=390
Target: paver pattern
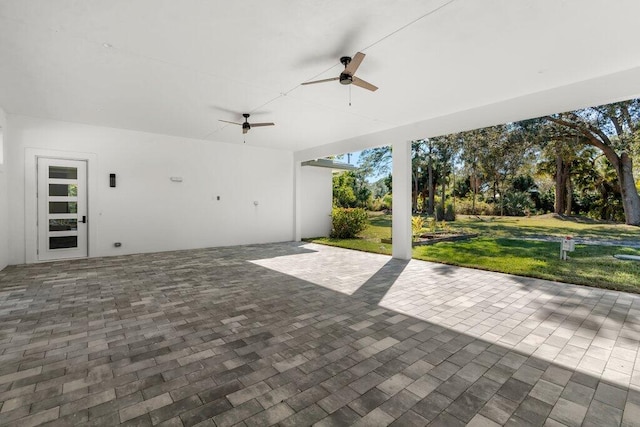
x=299, y=334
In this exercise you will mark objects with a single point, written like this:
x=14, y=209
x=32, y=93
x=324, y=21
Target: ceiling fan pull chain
x=349, y=95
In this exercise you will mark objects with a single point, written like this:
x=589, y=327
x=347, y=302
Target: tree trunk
x=501, y=199
x=569, y=195
x=475, y=193
x=495, y=191
x=444, y=188
x=453, y=185
x=431, y=192
x=624, y=171
x=414, y=193
x=630, y=198
x=560, y=205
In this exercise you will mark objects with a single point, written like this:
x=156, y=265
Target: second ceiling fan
x=246, y=125
x=347, y=76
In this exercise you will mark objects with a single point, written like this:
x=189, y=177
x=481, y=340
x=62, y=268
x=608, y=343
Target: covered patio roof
x=176, y=68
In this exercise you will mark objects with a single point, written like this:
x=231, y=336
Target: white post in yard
x=566, y=245
x=401, y=204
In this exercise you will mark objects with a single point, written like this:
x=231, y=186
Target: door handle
x=84, y=219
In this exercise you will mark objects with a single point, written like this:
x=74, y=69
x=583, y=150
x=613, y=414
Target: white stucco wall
x=147, y=212
x=4, y=198
x=316, y=198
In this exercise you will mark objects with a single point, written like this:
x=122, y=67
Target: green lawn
x=545, y=225
x=500, y=247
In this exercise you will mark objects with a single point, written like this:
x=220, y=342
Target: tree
x=380, y=159
x=596, y=184
x=613, y=129
x=445, y=149
x=432, y=164
x=503, y=153
x=376, y=160
x=343, y=195
x=379, y=188
x=417, y=159
x=564, y=155
x=472, y=142
x=350, y=190
x=562, y=145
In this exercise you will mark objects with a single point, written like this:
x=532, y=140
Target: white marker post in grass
x=566, y=245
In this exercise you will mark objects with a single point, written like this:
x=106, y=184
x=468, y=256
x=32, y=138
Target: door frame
x=81, y=247
x=31, y=199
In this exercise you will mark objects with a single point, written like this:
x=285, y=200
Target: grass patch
x=356, y=244
x=588, y=265
x=501, y=249
x=546, y=225
x=379, y=227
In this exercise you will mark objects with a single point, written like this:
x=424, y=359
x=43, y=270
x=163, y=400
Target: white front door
x=62, y=209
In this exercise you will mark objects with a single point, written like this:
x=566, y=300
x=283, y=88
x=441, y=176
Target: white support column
x=297, y=202
x=401, y=221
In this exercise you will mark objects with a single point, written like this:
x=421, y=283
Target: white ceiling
x=176, y=67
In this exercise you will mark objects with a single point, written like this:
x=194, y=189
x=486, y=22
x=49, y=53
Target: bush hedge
x=465, y=207
x=347, y=222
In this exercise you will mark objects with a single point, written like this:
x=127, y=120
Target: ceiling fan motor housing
x=346, y=79
x=246, y=126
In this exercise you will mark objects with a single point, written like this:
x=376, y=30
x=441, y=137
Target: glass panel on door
x=63, y=225
x=63, y=207
x=63, y=172
x=70, y=190
x=63, y=242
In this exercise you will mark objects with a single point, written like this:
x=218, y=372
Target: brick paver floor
x=300, y=334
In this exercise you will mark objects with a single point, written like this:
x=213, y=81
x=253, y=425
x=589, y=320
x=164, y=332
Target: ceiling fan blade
x=233, y=123
x=366, y=85
x=245, y=130
x=354, y=64
x=255, y=125
x=320, y=81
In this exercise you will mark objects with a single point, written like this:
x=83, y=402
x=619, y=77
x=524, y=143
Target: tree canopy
x=574, y=163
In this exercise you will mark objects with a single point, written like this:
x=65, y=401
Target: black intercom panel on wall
x=112, y=180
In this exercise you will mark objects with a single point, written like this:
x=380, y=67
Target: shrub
x=465, y=207
x=379, y=203
x=388, y=201
x=516, y=203
x=343, y=196
x=347, y=222
x=421, y=203
x=433, y=226
x=449, y=213
x=374, y=205
x=417, y=223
